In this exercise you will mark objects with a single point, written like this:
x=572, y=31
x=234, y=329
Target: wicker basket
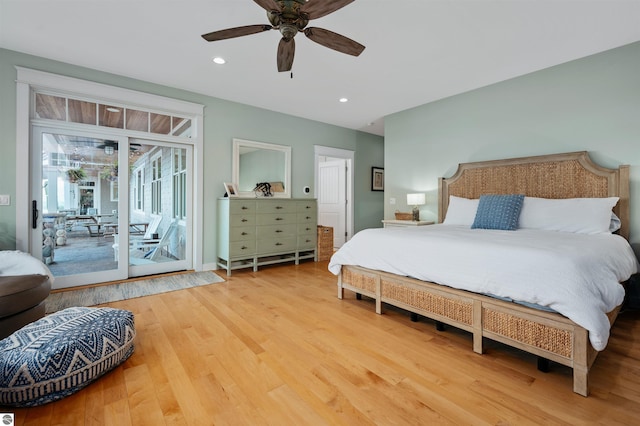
x=404, y=216
x=325, y=242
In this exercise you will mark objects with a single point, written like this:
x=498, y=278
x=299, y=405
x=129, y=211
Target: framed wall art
x=377, y=179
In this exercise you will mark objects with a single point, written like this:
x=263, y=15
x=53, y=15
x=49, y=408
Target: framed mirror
x=257, y=162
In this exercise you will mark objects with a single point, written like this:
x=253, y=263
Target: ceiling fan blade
x=334, y=41
x=269, y=5
x=318, y=8
x=286, y=51
x=235, y=32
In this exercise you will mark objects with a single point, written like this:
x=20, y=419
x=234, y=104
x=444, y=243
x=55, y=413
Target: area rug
x=128, y=290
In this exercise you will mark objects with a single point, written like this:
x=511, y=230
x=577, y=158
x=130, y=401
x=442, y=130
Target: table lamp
x=415, y=200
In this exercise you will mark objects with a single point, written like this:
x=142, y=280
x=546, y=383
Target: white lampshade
x=415, y=199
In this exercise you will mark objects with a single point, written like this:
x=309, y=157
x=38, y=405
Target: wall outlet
x=392, y=200
x=5, y=200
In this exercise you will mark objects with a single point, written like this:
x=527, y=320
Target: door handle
x=34, y=214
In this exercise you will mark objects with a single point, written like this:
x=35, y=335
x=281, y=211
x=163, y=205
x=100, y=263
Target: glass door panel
x=78, y=214
x=159, y=208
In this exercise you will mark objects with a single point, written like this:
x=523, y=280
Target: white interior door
x=332, y=198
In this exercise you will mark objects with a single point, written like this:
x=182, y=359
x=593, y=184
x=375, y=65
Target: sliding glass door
x=160, y=200
x=75, y=205
x=94, y=220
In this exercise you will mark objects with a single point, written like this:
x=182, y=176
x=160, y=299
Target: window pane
x=111, y=116
x=181, y=126
x=160, y=124
x=137, y=120
x=51, y=107
x=82, y=112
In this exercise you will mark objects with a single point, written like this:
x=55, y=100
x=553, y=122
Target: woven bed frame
x=550, y=336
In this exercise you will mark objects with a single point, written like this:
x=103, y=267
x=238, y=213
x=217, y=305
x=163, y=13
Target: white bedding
x=576, y=275
x=15, y=262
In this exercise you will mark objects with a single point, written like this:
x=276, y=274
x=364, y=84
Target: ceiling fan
x=291, y=17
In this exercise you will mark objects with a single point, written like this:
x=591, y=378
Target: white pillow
x=578, y=215
x=461, y=211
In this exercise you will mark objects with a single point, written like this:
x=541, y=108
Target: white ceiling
x=417, y=51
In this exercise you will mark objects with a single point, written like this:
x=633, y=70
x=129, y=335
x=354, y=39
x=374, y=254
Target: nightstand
x=392, y=223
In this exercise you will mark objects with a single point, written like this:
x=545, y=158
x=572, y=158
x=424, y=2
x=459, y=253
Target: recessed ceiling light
x=113, y=109
x=343, y=100
x=218, y=60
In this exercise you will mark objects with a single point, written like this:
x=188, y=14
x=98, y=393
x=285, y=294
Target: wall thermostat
x=306, y=190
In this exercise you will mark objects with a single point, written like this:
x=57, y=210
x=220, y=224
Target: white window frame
x=179, y=185
x=156, y=184
x=29, y=80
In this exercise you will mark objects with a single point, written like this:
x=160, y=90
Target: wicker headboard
x=569, y=175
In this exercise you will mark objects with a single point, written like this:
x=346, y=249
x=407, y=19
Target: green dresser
x=263, y=231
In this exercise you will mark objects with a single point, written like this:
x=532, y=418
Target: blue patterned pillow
x=498, y=212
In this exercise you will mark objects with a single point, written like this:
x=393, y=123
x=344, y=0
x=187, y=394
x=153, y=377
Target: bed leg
x=581, y=380
x=477, y=327
x=544, y=365
x=340, y=288
x=581, y=361
x=358, y=296
x=440, y=326
x=414, y=317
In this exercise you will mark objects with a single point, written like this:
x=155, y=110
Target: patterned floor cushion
x=61, y=353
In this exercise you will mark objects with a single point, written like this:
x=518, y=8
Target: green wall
x=590, y=104
x=223, y=121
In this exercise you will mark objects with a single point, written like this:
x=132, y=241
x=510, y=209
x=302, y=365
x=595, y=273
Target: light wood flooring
x=277, y=347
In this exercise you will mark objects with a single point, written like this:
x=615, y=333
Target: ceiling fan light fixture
x=220, y=61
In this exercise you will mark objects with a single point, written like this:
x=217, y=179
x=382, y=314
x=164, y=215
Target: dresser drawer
x=307, y=217
x=307, y=229
x=275, y=245
x=306, y=206
x=276, y=206
x=276, y=219
x=242, y=219
x=242, y=233
x=242, y=248
x=276, y=231
x=307, y=242
x=242, y=207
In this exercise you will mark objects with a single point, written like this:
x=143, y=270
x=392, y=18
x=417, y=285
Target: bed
x=537, y=327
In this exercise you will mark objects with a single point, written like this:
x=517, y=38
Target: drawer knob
x=278, y=230
x=278, y=244
x=244, y=220
x=243, y=247
x=278, y=207
x=243, y=233
x=244, y=207
x=279, y=218
x=308, y=217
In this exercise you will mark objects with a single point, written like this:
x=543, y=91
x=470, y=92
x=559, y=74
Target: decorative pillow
x=461, y=211
x=615, y=223
x=578, y=215
x=498, y=212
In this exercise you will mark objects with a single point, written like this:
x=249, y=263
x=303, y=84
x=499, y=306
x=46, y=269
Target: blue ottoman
x=61, y=353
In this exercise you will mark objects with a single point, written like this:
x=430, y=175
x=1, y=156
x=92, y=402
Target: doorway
x=66, y=106
x=88, y=230
x=334, y=191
